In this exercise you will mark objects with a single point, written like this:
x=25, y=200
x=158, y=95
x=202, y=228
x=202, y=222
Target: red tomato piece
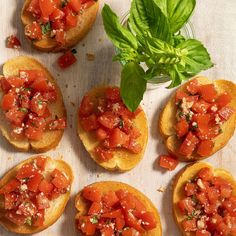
x=107, y=231
x=101, y=134
x=95, y=208
x=9, y=101
x=186, y=205
x=130, y=232
x=180, y=95
x=57, y=14
x=117, y=138
x=223, y=229
x=60, y=180
x=5, y=85
x=168, y=162
x=47, y=7
x=103, y=154
x=16, y=116
x=192, y=87
x=113, y=94
x=60, y=37
x=24, y=101
x=15, y=218
x=13, y=42
x=205, y=174
x=190, y=189
x=182, y=128
x=113, y=214
x=202, y=198
x=57, y=124
x=66, y=60
x=33, y=133
x=86, y=226
x=34, y=31
x=205, y=148
x=120, y=223
x=34, y=8
x=15, y=82
x=223, y=99
x=226, y=112
x=50, y=96
x=86, y=106
x=45, y=187
x=58, y=25
x=110, y=199
x=11, y=186
x=189, y=144
x=34, y=182
x=27, y=208
x=74, y=5
x=38, y=219
x=71, y=21
x=148, y=220
x=26, y=171
x=30, y=76
x=189, y=225
x=226, y=190
x=132, y=221
x=213, y=194
x=42, y=201
x=41, y=162
x=9, y=200
x=109, y=120
x=38, y=105
x=133, y=146
x=41, y=84
x=208, y=92
x=92, y=194
x=201, y=106
x=89, y=123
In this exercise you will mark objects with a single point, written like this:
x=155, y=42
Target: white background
x=215, y=25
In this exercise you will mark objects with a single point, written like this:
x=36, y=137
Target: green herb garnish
x=121, y=123
x=46, y=28
x=153, y=37
x=28, y=221
x=94, y=219
x=24, y=110
x=192, y=215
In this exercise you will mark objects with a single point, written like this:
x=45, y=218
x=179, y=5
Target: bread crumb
x=9, y=158
x=83, y=45
x=74, y=86
x=162, y=189
x=66, y=85
x=90, y=56
x=71, y=126
x=100, y=39
x=72, y=103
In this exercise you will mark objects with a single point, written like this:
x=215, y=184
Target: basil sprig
x=152, y=37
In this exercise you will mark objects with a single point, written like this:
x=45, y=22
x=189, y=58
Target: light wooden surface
x=214, y=24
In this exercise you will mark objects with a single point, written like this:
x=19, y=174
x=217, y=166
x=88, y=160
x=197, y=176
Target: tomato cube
x=60, y=181
x=208, y=92
x=71, y=21
x=66, y=60
x=182, y=128
x=205, y=174
x=34, y=31
x=103, y=154
x=5, y=85
x=118, y=138
x=8, y=102
x=193, y=86
x=189, y=225
x=113, y=94
x=42, y=201
x=201, y=106
x=226, y=112
x=109, y=120
x=74, y=5
x=13, y=42
x=189, y=145
x=26, y=171
x=15, y=218
x=45, y=187
x=38, y=219
x=168, y=162
x=101, y=134
x=190, y=189
x=223, y=99
x=95, y=208
x=92, y=194
x=205, y=148
x=11, y=186
x=148, y=220
x=110, y=199
x=86, y=226
x=16, y=116
x=86, y=106
x=89, y=123
x=186, y=205
x=34, y=182
x=113, y=214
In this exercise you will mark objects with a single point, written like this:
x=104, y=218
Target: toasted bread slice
x=167, y=120
x=188, y=173
x=57, y=206
x=123, y=160
x=85, y=22
x=50, y=139
x=82, y=205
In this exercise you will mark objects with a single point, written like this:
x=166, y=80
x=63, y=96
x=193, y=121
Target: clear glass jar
x=162, y=80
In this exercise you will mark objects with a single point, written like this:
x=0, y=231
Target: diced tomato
x=40, y=84
x=214, y=221
x=208, y=92
x=205, y=174
x=30, y=76
x=66, y=60
x=120, y=223
x=189, y=225
x=15, y=82
x=16, y=116
x=190, y=189
x=168, y=162
x=86, y=1
x=74, y=5
x=148, y=220
x=24, y=101
x=9, y=201
x=34, y=182
x=107, y=231
x=5, y=85
x=58, y=25
x=9, y=101
x=205, y=148
x=57, y=14
x=57, y=124
x=71, y=21
x=15, y=218
x=42, y=201
x=27, y=208
x=113, y=94
x=38, y=105
x=33, y=133
x=226, y=190
x=192, y=87
x=109, y=120
x=189, y=144
x=38, y=219
x=50, y=96
x=180, y=95
x=182, y=128
x=11, y=186
x=34, y=31
x=86, y=106
x=92, y=194
x=223, y=229
x=186, y=205
x=89, y=123
x=133, y=222
x=110, y=199
x=95, y=208
x=118, y=138
x=60, y=180
x=41, y=162
x=26, y=171
x=103, y=154
x=45, y=187
x=86, y=226
x=202, y=198
x=34, y=8
x=113, y=214
x=13, y=42
x=60, y=37
x=226, y=112
x=223, y=99
x=230, y=205
x=47, y=7
x=101, y=134
x=201, y=106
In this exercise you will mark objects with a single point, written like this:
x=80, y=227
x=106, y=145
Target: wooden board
x=214, y=24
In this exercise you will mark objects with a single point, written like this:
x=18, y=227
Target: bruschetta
x=56, y=25
x=32, y=112
x=199, y=119
x=114, y=137
x=112, y=208
x=204, y=201
x=34, y=194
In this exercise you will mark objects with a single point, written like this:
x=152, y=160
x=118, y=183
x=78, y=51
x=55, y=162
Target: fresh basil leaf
x=162, y=5
x=146, y=16
x=132, y=85
x=125, y=56
x=196, y=57
x=121, y=37
x=46, y=28
x=176, y=76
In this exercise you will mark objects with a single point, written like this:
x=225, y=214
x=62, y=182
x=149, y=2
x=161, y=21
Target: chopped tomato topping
x=113, y=94
x=90, y=123
x=66, y=60
x=34, y=31
x=95, y=208
x=189, y=144
x=74, y=5
x=46, y=7
x=168, y=162
x=9, y=101
x=192, y=87
x=110, y=199
x=57, y=124
x=10, y=186
x=224, y=99
x=182, y=128
x=5, y=85
x=34, y=182
x=189, y=225
x=86, y=226
x=109, y=120
x=205, y=148
x=13, y=42
x=92, y=194
x=200, y=106
x=60, y=181
x=45, y=187
x=226, y=112
x=208, y=92
x=71, y=20
x=103, y=154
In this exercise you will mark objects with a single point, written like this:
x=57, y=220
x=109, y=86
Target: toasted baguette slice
x=50, y=139
x=85, y=22
x=188, y=173
x=82, y=205
x=57, y=206
x=167, y=120
x=123, y=160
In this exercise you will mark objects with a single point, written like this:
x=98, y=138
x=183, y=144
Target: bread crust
x=123, y=160
x=56, y=209
x=73, y=36
x=105, y=186
x=167, y=121
x=50, y=139
x=189, y=172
